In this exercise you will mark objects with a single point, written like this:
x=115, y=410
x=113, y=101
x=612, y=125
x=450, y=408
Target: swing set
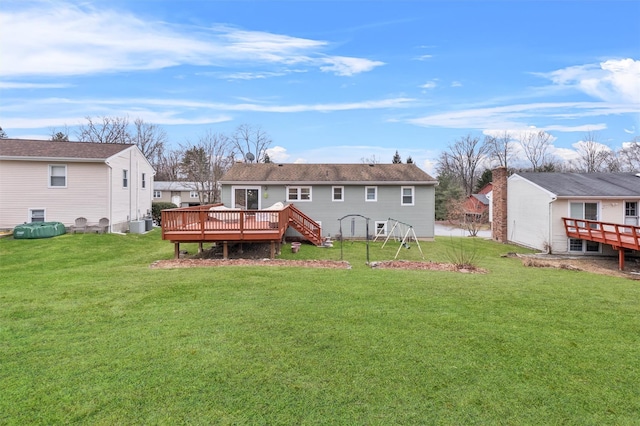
x=353, y=231
x=400, y=231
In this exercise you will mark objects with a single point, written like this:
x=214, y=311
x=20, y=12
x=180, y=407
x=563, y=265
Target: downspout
x=110, y=197
x=550, y=236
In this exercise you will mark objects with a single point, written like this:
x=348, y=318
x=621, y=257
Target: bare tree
x=500, y=148
x=592, y=155
x=169, y=166
x=463, y=160
x=105, y=130
x=251, y=143
x=629, y=155
x=204, y=163
x=370, y=160
x=536, y=148
x=150, y=139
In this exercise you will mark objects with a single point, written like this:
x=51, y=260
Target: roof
x=587, y=184
x=482, y=198
x=27, y=149
x=164, y=185
x=328, y=173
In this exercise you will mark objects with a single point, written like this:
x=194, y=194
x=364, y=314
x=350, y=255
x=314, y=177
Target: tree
x=396, y=158
x=485, y=179
x=409, y=160
x=169, y=166
x=536, y=148
x=448, y=189
x=105, y=130
x=462, y=160
x=204, y=163
x=370, y=160
x=500, y=148
x=267, y=159
x=251, y=143
x=3, y=134
x=629, y=155
x=150, y=139
x=592, y=155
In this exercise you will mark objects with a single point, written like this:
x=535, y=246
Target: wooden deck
x=201, y=224
x=620, y=237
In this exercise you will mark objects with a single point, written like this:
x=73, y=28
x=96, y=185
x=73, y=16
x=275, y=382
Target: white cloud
x=60, y=38
x=614, y=80
x=278, y=154
x=16, y=85
x=429, y=85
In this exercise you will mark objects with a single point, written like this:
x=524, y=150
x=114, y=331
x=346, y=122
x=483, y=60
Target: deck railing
x=614, y=234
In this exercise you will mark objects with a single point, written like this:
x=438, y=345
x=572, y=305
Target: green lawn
x=90, y=334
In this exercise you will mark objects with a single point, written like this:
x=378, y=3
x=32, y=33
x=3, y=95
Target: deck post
x=273, y=249
x=176, y=251
x=200, y=248
x=225, y=250
x=621, y=258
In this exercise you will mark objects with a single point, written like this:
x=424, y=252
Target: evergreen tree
x=396, y=158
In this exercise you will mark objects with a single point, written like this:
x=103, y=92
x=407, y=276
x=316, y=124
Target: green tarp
x=38, y=230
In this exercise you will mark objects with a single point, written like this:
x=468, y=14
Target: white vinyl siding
x=57, y=176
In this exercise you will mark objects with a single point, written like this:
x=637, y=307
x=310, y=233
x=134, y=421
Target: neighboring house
x=476, y=206
x=61, y=181
x=328, y=192
x=537, y=202
x=182, y=194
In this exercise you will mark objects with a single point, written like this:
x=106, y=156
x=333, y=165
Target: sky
x=328, y=81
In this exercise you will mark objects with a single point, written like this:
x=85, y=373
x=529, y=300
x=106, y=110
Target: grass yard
x=89, y=333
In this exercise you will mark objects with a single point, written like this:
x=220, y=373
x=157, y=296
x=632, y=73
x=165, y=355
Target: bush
x=156, y=208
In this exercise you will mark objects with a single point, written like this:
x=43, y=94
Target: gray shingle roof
x=39, y=149
x=482, y=198
x=587, y=184
x=328, y=173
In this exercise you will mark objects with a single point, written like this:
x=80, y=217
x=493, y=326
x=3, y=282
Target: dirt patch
x=596, y=265
x=429, y=266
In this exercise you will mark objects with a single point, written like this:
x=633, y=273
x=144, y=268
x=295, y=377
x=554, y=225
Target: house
x=61, y=181
x=476, y=206
x=529, y=207
x=384, y=193
x=182, y=194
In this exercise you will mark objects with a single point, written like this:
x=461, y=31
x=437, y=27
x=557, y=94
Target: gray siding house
x=328, y=192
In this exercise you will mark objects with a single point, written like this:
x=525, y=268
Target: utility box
x=136, y=226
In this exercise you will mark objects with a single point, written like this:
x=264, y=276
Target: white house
x=537, y=202
x=61, y=181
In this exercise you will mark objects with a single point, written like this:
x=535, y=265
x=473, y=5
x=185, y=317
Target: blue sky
x=329, y=81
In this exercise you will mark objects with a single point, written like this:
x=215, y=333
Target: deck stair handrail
x=617, y=235
x=306, y=226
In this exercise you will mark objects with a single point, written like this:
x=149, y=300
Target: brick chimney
x=499, y=200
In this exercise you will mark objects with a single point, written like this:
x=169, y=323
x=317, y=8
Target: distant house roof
x=587, y=184
x=174, y=186
x=381, y=174
x=28, y=149
x=482, y=198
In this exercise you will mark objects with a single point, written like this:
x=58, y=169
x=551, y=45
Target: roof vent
x=371, y=165
x=279, y=165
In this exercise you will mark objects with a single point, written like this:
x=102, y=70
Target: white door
x=631, y=213
x=175, y=199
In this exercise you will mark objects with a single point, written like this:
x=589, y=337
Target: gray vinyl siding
x=322, y=209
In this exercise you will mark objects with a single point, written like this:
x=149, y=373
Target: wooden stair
x=309, y=228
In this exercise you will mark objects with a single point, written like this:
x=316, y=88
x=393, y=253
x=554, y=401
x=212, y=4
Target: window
x=407, y=195
x=630, y=209
x=337, y=193
x=144, y=180
x=586, y=211
x=194, y=194
x=299, y=193
x=36, y=215
x=125, y=178
x=381, y=228
x=371, y=193
x=157, y=194
x=58, y=176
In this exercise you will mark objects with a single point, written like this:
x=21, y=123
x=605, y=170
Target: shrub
x=156, y=208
